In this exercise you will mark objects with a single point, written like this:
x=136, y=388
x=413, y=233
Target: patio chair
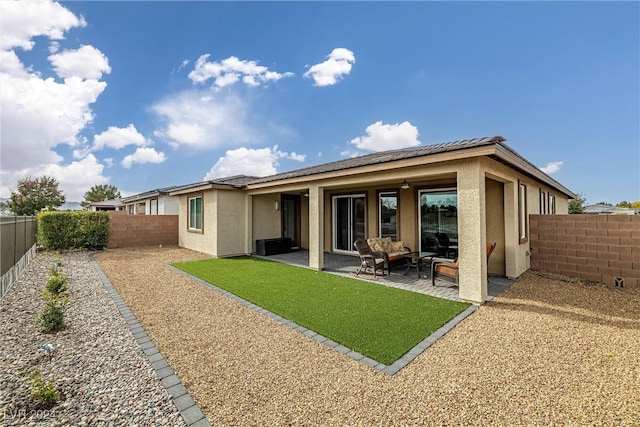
x=369, y=258
x=449, y=270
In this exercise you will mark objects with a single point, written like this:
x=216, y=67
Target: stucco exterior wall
x=494, y=191
x=517, y=254
x=304, y=223
x=204, y=241
x=266, y=221
x=231, y=227
x=168, y=205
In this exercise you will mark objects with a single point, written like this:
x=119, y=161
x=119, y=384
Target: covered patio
x=347, y=265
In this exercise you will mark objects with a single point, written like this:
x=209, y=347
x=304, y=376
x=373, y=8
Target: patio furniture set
x=379, y=253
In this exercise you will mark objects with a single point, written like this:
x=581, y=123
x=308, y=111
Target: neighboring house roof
x=107, y=203
x=236, y=181
x=149, y=194
x=609, y=210
x=489, y=146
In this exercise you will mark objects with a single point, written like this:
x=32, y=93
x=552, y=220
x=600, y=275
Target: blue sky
x=144, y=95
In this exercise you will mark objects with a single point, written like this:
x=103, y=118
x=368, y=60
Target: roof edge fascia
x=509, y=155
x=463, y=153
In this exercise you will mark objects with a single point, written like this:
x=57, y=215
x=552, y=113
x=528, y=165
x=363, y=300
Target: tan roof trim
x=486, y=150
x=514, y=159
x=203, y=187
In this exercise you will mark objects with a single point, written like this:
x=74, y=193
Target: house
x=600, y=209
x=154, y=202
x=106, y=205
x=476, y=191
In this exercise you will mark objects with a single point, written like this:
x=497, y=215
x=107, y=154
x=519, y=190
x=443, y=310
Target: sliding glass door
x=349, y=219
x=438, y=213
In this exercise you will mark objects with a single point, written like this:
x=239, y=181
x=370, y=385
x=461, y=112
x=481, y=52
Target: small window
x=388, y=215
x=522, y=214
x=552, y=204
x=195, y=213
x=543, y=203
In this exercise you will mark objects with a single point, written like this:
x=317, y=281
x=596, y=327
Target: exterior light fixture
x=405, y=185
x=276, y=205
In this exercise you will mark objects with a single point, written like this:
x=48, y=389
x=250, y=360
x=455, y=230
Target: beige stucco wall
x=232, y=222
x=168, y=205
x=266, y=220
x=205, y=241
x=494, y=191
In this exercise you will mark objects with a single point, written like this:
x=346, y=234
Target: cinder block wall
x=601, y=248
x=142, y=230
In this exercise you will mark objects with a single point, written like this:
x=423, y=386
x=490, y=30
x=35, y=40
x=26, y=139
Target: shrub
x=52, y=316
x=73, y=230
x=41, y=390
x=56, y=283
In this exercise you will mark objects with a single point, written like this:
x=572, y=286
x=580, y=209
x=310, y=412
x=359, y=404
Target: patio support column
x=316, y=227
x=472, y=232
x=248, y=244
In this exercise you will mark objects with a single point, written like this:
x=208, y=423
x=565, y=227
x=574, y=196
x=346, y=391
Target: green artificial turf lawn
x=379, y=322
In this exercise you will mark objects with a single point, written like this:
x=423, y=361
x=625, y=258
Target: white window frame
x=543, y=202
x=523, y=215
x=552, y=204
x=190, y=226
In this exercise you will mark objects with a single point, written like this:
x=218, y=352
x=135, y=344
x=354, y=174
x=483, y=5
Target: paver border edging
x=189, y=410
x=392, y=369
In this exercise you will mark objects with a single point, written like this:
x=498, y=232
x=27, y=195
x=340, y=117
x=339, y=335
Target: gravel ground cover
x=102, y=374
x=545, y=352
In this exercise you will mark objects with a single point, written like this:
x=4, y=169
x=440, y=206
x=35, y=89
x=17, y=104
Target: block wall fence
x=602, y=248
x=142, y=230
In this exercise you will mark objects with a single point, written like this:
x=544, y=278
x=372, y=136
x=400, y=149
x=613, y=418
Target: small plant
x=56, y=283
x=43, y=391
x=52, y=316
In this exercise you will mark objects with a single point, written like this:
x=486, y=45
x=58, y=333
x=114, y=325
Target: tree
x=100, y=193
x=623, y=204
x=33, y=195
x=636, y=205
x=576, y=206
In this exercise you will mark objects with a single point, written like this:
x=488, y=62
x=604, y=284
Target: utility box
x=267, y=247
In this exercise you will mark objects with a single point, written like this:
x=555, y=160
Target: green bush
x=56, y=283
x=41, y=390
x=73, y=230
x=52, y=316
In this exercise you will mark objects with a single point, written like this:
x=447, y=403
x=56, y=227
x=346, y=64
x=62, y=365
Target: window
x=522, y=213
x=543, y=203
x=438, y=220
x=195, y=213
x=388, y=215
x=552, y=204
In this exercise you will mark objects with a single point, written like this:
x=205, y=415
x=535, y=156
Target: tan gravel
x=545, y=352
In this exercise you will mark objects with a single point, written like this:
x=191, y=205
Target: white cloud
x=249, y=161
x=86, y=63
x=381, y=137
x=115, y=137
x=204, y=120
x=329, y=72
x=75, y=178
x=231, y=70
x=143, y=155
x=22, y=20
x=552, y=167
x=38, y=114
